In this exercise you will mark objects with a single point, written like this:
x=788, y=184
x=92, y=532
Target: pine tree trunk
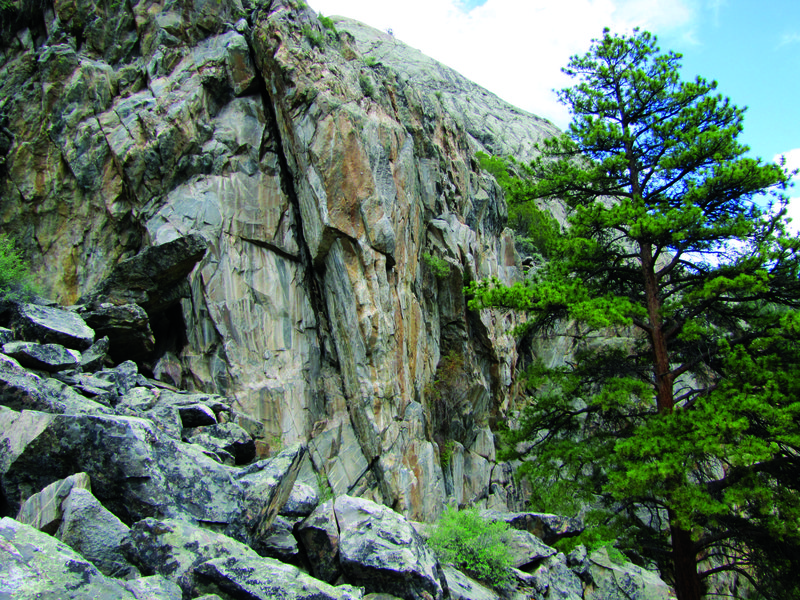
x=684, y=559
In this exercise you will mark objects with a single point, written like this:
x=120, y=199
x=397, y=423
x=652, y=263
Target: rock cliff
x=323, y=184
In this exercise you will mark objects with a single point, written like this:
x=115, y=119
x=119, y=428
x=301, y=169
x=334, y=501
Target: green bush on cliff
x=473, y=545
x=13, y=269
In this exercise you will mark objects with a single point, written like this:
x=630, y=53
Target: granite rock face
x=293, y=180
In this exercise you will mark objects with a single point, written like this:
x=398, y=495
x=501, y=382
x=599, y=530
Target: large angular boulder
x=52, y=325
x=319, y=536
x=621, y=580
x=26, y=391
x=267, y=485
x=462, y=587
x=44, y=510
x=94, y=532
x=36, y=566
x=224, y=437
x=155, y=278
x=135, y=470
x=127, y=328
x=380, y=550
x=46, y=357
x=200, y=560
x=547, y=527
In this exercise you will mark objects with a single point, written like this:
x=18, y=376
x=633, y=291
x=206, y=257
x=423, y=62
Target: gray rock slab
x=127, y=328
x=267, y=579
x=612, y=581
x=196, y=415
x=53, y=325
x=526, y=550
x=135, y=471
x=95, y=533
x=228, y=437
x=36, y=566
x=380, y=550
x=301, y=502
x=547, y=527
x=318, y=534
x=26, y=391
x=45, y=357
x=267, y=485
x=155, y=587
x=44, y=509
x=463, y=587
x=554, y=579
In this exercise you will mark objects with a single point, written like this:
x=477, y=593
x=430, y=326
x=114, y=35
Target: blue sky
x=516, y=48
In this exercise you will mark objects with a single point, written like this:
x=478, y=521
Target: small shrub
x=315, y=38
x=439, y=266
x=370, y=61
x=473, y=545
x=13, y=269
x=325, y=489
x=327, y=23
x=447, y=453
x=366, y=85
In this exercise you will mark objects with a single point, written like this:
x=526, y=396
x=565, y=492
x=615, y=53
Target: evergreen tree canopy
x=679, y=283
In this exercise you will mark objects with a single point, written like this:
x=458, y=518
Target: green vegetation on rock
x=679, y=286
x=13, y=269
x=439, y=266
x=474, y=545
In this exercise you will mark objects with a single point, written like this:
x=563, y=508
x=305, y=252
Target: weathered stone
x=45, y=357
x=127, y=328
x=548, y=528
x=612, y=581
x=94, y=532
x=279, y=542
x=52, y=325
x=196, y=415
x=380, y=550
x=6, y=335
x=301, y=502
x=267, y=485
x=44, y=509
x=94, y=358
x=155, y=587
x=227, y=437
x=34, y=565
x=319, y=536
x=526, y=550
x=265, y=579
x=462, y=587
x=138, y=399
x=26, y=391
x=554, y=579
x=150, y=279
x=135, y=471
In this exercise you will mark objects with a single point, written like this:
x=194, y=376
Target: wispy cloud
x=515, y=48
x=787, y=39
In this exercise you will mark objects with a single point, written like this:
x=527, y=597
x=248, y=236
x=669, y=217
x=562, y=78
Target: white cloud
x=514, y=48
x=792, y=163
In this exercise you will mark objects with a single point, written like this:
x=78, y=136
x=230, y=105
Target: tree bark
x=684, y=560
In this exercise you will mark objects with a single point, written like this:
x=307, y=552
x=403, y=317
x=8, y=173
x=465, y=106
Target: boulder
x=279, y=542
x=227, y=437
x=267, y=485
x=34, y=566
x=301, y=502
x=462, y=587
x=526, y=550
x=95, y=357
x=135, y=470
x=155, y=587
x=622, y=580
x=155, y=278
x=318, y=534
x=196, y=415
x=95, y=533
x=554, y=579
x=547, y=527
x=198, y=559
x=44, y=357
x=44, y=509
x=126, y=326
x=380, y=550
x=53, y=326
x=26, y=391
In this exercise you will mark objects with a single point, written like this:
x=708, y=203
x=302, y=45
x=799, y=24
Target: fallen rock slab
x=53, y=326
x=44, y=509
x=34, y=566
x=44, y=357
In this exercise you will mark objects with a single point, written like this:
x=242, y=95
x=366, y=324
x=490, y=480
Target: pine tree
x=679, y=283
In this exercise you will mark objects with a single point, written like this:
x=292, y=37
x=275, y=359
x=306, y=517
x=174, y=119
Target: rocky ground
x=118, y=486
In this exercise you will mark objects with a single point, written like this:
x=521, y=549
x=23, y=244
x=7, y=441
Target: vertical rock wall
x=324, y=169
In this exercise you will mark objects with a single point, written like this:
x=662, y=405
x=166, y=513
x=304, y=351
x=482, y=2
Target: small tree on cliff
x=687, y=422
